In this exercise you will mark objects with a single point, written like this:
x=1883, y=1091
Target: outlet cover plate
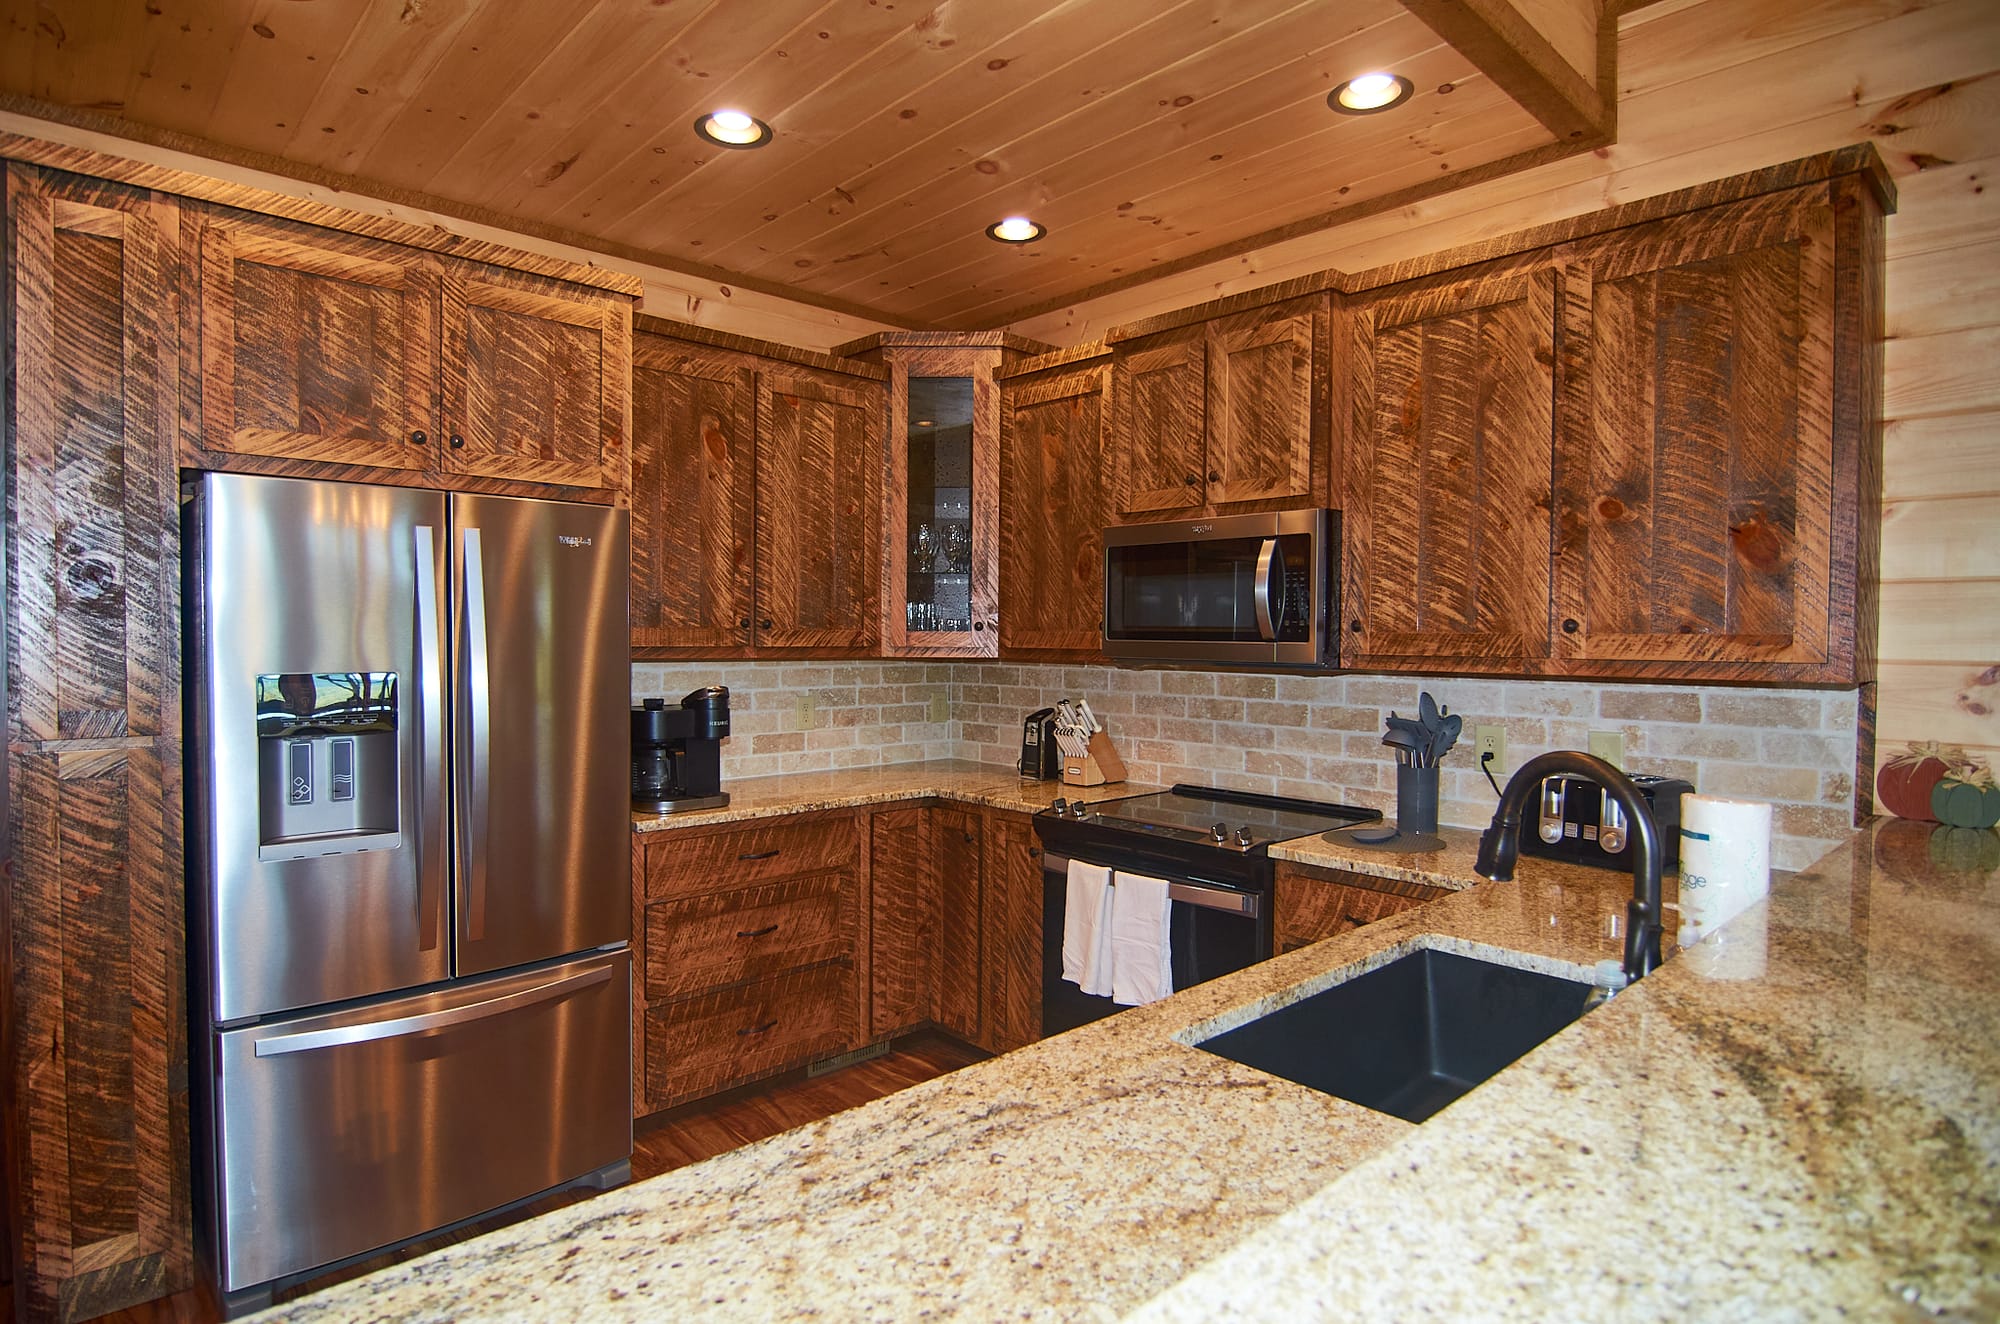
x=1609, y=746
x=1494, y=739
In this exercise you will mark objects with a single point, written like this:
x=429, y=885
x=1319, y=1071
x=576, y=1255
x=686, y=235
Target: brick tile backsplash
x=1312, y=736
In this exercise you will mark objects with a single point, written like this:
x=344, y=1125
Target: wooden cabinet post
x=960, y=863
x=904, y=914
x=98, y=1074
x=1011, y=932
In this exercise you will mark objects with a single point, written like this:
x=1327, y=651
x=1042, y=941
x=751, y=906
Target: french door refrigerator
x=409, y=863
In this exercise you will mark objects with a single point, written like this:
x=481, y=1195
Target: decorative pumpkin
x=1967, y=798
x=1905, y=783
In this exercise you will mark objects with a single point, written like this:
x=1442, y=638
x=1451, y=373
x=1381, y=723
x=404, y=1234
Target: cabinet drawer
x=779, y=848
x=727, y=937
x=705, y=1043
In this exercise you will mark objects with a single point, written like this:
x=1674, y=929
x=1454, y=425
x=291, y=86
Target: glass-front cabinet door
x=942, y=516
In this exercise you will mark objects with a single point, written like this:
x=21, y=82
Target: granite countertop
x=1794, y=1119
x=996, y=785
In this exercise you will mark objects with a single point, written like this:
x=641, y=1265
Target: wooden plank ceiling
x=1146, y=136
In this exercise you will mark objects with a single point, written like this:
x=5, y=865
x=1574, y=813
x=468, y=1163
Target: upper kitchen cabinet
x=1445, y=513
x=941, y=499
x=1225, y=415
x=755, y=497
x=1054, y=431
x=1716, y=479
x=331, y=355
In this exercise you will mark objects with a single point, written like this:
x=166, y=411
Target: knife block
x=1099, y=764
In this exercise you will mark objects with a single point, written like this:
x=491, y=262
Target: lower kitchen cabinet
x=1314, y=904
x=924, y=938
x=746, y=954
x=1010, y=931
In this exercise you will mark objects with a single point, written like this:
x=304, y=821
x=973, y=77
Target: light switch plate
x=1493, y=740
x=1609, y=746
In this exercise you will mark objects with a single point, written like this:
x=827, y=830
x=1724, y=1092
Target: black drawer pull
x=756, y=933
x=1569, y=627
x=759, y=855
x=1354, y=627
x=757, y=1029
x=419, y=439
x=457, y=442
x=1356, y=920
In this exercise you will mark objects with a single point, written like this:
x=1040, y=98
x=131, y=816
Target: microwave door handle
x=1260, y=589
x=430, y=831
x=472, y=856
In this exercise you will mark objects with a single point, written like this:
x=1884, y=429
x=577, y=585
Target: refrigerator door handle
x=472, y=841
x=305, y=1041
x=430, y=738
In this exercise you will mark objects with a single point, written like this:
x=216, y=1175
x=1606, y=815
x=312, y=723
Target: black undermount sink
x=1409, y=1037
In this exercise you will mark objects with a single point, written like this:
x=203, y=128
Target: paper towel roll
x=1725, y=861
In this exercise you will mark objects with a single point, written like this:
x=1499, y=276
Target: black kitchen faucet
x=1500, y=843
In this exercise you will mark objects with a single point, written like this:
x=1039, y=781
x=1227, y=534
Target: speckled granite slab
x=1796, y=1119
x=991, y=784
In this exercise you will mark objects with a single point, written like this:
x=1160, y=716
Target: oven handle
x=1247, y=904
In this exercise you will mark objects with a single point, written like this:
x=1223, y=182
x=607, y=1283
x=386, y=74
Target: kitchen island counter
x=1794, y=1119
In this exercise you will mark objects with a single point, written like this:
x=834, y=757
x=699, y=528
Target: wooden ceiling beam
x=1577, y=106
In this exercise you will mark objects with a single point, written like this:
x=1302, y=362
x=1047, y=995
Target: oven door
x=1215, y=930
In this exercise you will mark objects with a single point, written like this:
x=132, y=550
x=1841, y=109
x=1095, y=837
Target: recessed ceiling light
x=1016, y=230
x=1368, y=93
x=732, y=128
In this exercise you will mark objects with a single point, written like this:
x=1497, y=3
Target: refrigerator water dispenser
x=326, y=764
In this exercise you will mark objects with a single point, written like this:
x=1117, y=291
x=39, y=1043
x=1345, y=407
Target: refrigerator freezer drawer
x=341, y=1132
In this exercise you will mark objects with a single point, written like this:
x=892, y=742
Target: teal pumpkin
x=1961, y=804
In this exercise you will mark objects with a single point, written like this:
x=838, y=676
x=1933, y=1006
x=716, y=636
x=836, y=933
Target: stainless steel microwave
x=1248, y=590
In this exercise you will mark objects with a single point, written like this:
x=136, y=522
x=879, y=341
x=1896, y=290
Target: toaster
x=1574, y=819
x=1041, y=757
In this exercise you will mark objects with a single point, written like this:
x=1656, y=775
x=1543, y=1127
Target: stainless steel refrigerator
x=409, y=862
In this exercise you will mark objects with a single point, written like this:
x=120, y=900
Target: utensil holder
x=1416, y=799
x=1100, y=764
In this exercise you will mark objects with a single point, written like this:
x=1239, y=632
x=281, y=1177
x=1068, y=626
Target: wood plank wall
x=1710, y=88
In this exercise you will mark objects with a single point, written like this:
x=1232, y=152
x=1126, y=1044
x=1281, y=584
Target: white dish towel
x=1086, y=946
x=1142, y=963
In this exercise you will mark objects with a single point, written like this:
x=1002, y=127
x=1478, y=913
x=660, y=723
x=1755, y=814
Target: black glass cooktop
x=1191, y=813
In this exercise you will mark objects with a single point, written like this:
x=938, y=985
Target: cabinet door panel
x=903, y=929
x=1696, y=465
x=959, y=865
x=692, y=471
x=1160, y=420
x=819, y=470
x=1260, y=431
x=98, y=938
x=1052, y=513
x=315, y=353
x=1309, y=907
x=1010, y=928
x=710, y=1041
x=92, y=647
x=1447, y=523
x=534, y=385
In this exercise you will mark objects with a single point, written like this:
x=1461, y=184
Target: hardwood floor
x=660, y=1143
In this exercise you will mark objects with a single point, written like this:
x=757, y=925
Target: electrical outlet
x=940, y=710
x=802, y=712
x=1609, y=746
x=1490, y=740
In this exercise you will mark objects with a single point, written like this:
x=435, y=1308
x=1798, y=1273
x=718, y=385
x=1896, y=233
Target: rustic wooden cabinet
x=1053, y=437
x=339, y=356
x=1700, y=475
x=97, y=1068
x=756, y=498
x=1010, y=931
x=1223, y=415
x=746, y=953
x=1309, y=904
x=924, y=949
x=1447, y=538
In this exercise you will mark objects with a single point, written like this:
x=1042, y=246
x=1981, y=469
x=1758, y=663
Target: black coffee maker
x=677, y=753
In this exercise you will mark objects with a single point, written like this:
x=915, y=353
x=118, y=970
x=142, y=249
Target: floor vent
x=848, y=1059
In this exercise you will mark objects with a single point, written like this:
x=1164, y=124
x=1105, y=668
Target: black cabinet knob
x=419, y=439
x=979, y=625
x=1569, y=627
x=764, y=624
x=1193, y=481
x=457, y=442
x=743, y=624
x=1214, y=475
x=1354, y=627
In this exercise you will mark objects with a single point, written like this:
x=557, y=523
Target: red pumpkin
x=1904, y=785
